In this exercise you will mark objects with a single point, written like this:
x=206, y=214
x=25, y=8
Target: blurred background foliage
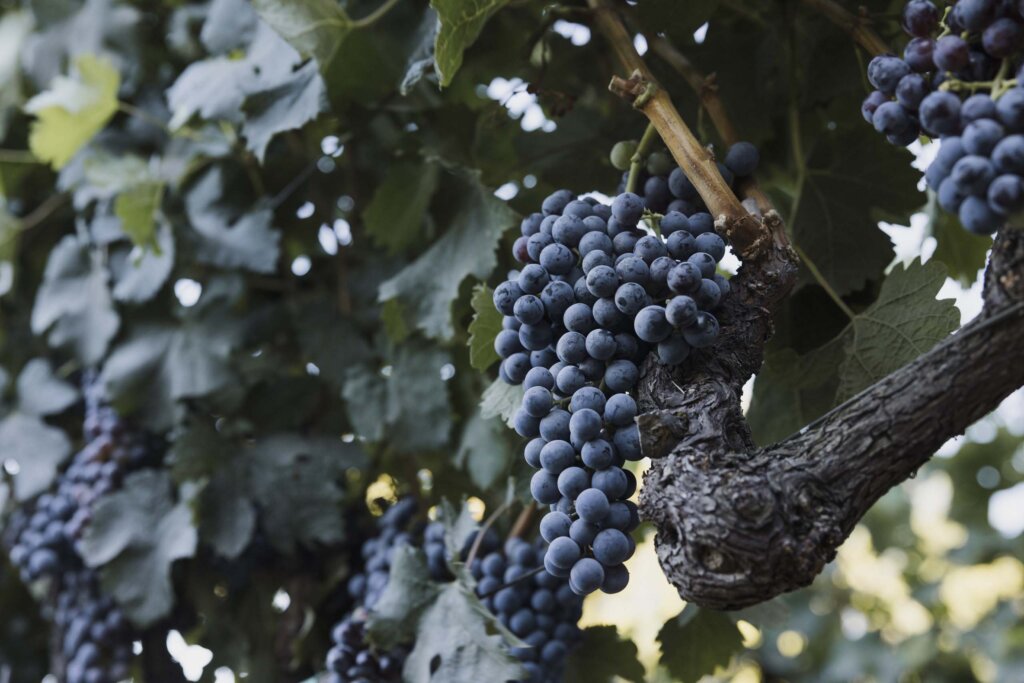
x=268, y=245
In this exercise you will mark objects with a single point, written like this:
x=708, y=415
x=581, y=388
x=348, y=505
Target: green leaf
x=139, y=273
x=392, y=317
x=229, y=25
x=37, y=448
x=398, y=209
x=213, y=88
x=501, y=400
x=226, y=237
x=41, y=393
x=792, y=390
x=74, y=302
x=294, y=482
x=851, y=182
x=73, y=110
x=316, y=28
x=962, y=252
x=457, y=642
x=284, y=106
x=428, y=286
x=408, y=406
x=697, y=642
x=421, y=59
x=136, y=535
x=603, y=655
x=483, y=451
x=159, y=365
x=484, y=328
x=328, y=339
x=409, y=591
x=904, y=322
x=136, y=208
x=460, y=23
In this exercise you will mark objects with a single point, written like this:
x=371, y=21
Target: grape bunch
x=596, y=294
x=511, y=582
x=665, y=187
x=535, y=605
x=94, y=634
x=351, y=659
x=953, y=83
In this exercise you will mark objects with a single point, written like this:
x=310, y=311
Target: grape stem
x=374, y=16
x=524, y=577
x=747, y=234
x=856, y=26
x=475, y=548
x=820, y=279
x=636, y=162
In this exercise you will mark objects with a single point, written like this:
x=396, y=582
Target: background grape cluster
x=597, y=292
x=94, y=634
x=510, y=580
x=960, y=81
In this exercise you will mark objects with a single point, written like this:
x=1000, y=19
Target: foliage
x=272, y=228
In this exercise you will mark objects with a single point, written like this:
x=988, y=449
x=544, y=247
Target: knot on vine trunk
x=737, y=529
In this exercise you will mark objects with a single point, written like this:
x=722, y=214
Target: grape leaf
x=835, y=212
x=229, y=25
x=294, y=481
x=791, y=390
x=483, y=329
x=392, y=317
x=41, y=393
x=696, y=642
x=284, y=106
x=74, y=302
x=139, y=273
x=73, y=110
x=158, y=365
x=37, y=448
x=136, y=208
x=962, y=252
x=408, y=592
x=904, y=322
x=603, y=655
x=421, y=59
x=483, y=451
x=136, y=534
x=315, y=28
x=399, y=206
x=427, y=286
x=408, y=405
x=328, y=339
x=228, y=238
x=460, y=23
x=501, y=400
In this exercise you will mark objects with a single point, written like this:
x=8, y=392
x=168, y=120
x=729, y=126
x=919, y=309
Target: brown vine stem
x=474, y=550
x=522, y=521
x=745, y=232
x=706, y=88
x=857, y=27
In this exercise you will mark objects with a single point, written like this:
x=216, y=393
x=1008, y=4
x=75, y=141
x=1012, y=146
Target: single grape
x=920, y=18
x=742, y=158
x=885, y=72
x=622, y=154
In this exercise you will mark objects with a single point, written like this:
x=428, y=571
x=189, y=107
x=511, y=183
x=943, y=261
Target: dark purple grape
x=919, y=54
x=920, y=18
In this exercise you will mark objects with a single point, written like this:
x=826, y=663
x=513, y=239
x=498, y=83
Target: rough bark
x=738, y=524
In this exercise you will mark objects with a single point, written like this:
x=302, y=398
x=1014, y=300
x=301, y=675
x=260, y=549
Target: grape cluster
x=534, y=604
x=94, y=634
x=665, y=187
x=954, y=86
x=351, y=659
x=595, y=295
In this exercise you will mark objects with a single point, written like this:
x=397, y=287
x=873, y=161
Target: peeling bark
x=738, y=524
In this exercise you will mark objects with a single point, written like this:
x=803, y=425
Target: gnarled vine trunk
x=738, y=524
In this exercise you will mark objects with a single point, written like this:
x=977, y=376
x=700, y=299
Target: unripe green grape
x=660, y=163
x=622, y=154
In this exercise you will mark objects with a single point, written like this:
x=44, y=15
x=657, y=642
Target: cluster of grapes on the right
x=960, y=80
